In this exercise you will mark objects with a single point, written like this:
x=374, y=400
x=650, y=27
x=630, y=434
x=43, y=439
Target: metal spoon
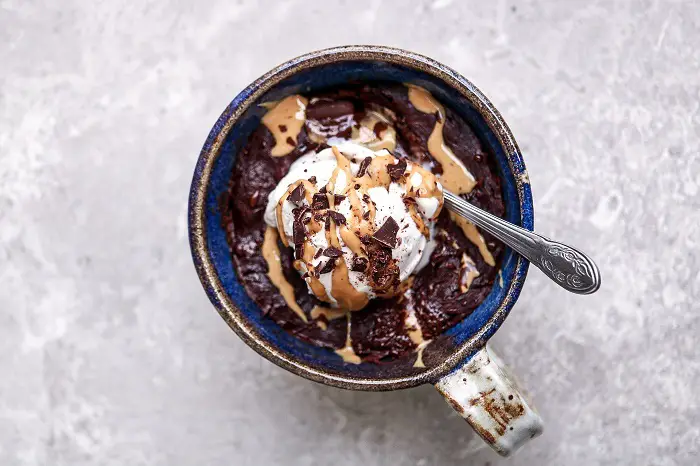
x=568, y=267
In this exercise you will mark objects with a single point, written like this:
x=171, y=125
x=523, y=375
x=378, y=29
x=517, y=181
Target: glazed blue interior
x=338, y=74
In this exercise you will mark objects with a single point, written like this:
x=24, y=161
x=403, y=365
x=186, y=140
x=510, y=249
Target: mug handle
x=485, y=393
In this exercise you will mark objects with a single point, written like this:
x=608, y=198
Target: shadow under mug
x=459, y=363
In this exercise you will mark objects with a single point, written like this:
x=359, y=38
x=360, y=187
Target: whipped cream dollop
x=360, y=222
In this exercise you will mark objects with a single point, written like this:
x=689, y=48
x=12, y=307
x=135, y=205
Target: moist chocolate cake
x=413, y=126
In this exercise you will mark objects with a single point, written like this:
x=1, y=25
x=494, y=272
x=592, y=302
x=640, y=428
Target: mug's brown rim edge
x=196, y=219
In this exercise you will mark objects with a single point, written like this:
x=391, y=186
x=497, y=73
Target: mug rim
x=206, y=271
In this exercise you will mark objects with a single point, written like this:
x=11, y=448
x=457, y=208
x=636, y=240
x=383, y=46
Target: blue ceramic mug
x=459, y=363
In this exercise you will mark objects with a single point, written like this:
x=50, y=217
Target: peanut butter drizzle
x=415, y=333
x=455, y=176
x=328, y=313
x=365, y=134
x=347, y=352
x=285, y=121
x=271, y=253
x=468, y=273
x=473, y=235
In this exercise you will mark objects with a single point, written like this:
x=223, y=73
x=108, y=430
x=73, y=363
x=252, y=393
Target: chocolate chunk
x=320, y=201
x=338, y=198
x=327, y=267
x=357, y=186
x=328, y=223
x=324, y=109
x=318, y=253
x=299, y=234
x=337, y=217
x=312, y=180
x=383, y=272
x=297, y=194
x=332, y=252
x=365, y=197
x=320, y=216
x=379, y=127
x=396, y=170
x=409, y=201
x=323, y=190
x=299, y=212
x=299, y=251
x=359, y=264
x=291, y=141
x=386, y=234
x=282, y=128
x=366, y=215
x=363, y=167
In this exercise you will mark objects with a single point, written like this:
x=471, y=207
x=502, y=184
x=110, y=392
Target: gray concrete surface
x=109, y=350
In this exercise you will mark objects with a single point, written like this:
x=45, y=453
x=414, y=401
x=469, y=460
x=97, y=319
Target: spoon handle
x=568, y=267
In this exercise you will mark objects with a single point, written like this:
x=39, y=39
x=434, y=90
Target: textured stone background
x=110, y=353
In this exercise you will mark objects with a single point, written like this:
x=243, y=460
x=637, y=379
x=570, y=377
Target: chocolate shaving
x=299, y=234
x=282, y=128
x=383, y=271
x=366, y=215
x=337, y=217
x=318, y=253
x=312, y=180
x=299, y=250
x=386, y=234
x=299, y=212
x=332, y=252
x=339, y=198
x=319, y=202
x=297, y=194
x=365, y=197
x=365, y=239
x=363, y=167
x=320, y=216
x=396, y=170
x=327, y=267
x=328, y=223
x=323, y=190
x=359, y=264
x=291, y=141
x=409, y=201
x=379, y=127
x=357, y=186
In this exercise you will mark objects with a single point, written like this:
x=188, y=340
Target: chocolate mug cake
x=335, y=221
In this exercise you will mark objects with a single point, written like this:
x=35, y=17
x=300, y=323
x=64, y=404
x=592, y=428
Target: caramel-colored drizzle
x=328, y=313
x=415, y=333
x=365, y=134
x=285, y=121
x=347, y=352
x=468, y=274
x=455, y=177
x=271, y=253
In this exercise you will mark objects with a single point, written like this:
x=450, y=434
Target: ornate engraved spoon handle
x=569, y=267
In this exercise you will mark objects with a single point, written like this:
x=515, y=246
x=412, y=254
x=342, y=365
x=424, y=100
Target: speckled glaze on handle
x=485, y=393
x=568, y=267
